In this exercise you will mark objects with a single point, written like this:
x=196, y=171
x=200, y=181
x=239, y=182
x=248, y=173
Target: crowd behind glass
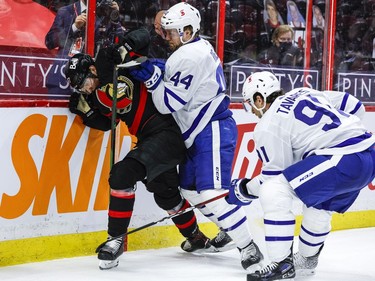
x=250, y=24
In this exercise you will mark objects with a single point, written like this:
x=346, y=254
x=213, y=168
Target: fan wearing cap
x=159, y=149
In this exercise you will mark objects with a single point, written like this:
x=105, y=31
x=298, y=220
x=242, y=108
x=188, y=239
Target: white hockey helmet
x=265, y=83
x=179, y=16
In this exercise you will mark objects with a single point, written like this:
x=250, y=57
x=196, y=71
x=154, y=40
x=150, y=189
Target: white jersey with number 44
x=193, y=87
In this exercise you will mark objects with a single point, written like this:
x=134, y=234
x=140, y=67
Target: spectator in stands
x=295, y=18
x=159, y=47
x=272, y=18
x=67, y=35
x=283, y=51
x=318, y=19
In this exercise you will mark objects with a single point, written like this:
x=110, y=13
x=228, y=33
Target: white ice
x=347, y=256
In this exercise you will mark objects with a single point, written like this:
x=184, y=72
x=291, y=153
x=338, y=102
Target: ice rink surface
x=347, y=256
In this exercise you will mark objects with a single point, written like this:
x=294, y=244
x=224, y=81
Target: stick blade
x=133, y=63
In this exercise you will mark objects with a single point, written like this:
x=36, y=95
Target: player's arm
x=275, y=153
x=346, y=102
x=81, y=105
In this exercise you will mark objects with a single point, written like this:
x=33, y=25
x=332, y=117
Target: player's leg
x=304, y=180
x=208, y=169
x=329, y=183
x=168, y=197
x=339, y=186
x=123, y=177
x=276, y=197
x=316, y=225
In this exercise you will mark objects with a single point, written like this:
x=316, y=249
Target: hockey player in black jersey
x=159, y=147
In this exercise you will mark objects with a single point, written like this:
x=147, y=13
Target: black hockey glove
x=112, y=54
x=79, y=105
x=135, y=43
x=238, y=194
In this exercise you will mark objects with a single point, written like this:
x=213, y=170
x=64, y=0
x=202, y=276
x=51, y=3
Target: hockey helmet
x=77, y=69
x=264, y=83
x=179, y=16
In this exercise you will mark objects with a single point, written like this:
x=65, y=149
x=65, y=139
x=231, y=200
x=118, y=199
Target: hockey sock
x=120, y=212
x=187, y=222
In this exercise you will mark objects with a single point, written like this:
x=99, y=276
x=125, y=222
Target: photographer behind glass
x=282, y=51
x=67, y=35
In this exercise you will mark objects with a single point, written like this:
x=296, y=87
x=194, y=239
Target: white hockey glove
x=238, y=194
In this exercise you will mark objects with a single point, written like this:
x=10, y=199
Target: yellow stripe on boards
x=84, y=244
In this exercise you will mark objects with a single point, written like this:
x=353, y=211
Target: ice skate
x=283, y=270
x=197, y=243
x=305, y=266
x=109, y=253
x=251, y=257
x=222, y=242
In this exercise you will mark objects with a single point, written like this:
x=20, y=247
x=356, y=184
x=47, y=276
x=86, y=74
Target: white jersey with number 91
x=304, y=122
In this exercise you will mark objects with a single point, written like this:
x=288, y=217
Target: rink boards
x=54, y=190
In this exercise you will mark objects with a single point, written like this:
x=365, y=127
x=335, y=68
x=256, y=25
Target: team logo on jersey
x=125, y=89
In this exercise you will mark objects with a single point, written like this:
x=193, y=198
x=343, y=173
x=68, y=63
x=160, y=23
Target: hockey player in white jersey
x=314, y=147
x=193, y=90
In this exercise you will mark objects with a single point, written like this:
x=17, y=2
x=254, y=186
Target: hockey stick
x=132, y=63
x=165, y=218
x=113, y=118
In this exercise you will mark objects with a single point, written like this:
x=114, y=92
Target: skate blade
x=105, y=265
x=227, y=247
x=305, y=272
x=208, y=250
x=254, y=267
x=251, y=278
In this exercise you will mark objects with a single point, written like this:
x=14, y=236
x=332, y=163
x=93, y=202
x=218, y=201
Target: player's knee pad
x=165, y=189
x=315, y=220
x=276, y=195
x=193, y=198
x=163, y=182
x=219, y=206
x=168, y=201
x=191, y=195
x=125, y=174
x=230, y=218
x=316, y=225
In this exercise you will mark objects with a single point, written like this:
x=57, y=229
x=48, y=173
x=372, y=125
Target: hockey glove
x=238, y=194
x=148, y=73
x=113, y=54
x=159, y=63
x=79, y=105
